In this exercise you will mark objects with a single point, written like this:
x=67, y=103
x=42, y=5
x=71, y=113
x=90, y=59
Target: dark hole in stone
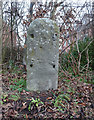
x=31, y=65
x=53, y=38
x=32, y=35
x=40, y=46
x=53, y=66
x=55, y=34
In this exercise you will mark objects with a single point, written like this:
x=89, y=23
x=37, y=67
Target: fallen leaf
x=49, y=98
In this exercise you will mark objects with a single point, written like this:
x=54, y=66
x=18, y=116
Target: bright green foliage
x=4, y=96
x=82, y=44
x=18, y=84
x=14, y=97
x=1, y=102
x=35, y=101
x=69, y=61
x=61, y=101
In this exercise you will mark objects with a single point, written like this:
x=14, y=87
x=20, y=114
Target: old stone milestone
x=42, y=55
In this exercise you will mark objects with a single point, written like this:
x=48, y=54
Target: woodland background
x=74, y=97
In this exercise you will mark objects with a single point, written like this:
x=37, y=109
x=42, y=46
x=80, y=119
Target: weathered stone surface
x=42, y=55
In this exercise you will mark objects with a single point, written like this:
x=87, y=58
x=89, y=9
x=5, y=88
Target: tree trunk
x=0, y=57
x=93, y=19
x=11, y=32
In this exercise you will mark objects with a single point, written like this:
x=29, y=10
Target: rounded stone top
x=40, y=20
x=43, y=24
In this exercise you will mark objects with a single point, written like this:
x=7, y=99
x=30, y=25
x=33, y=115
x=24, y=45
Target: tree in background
x=13, y=28
x=72, y=29
x=74, y=33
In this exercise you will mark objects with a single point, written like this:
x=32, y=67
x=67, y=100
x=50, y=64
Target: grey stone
x=42, y=55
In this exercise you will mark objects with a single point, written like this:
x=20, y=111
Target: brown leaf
x=49, y=110
x=24, y=106
x=49, y=98
x=26, y=116
x=83, y=104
